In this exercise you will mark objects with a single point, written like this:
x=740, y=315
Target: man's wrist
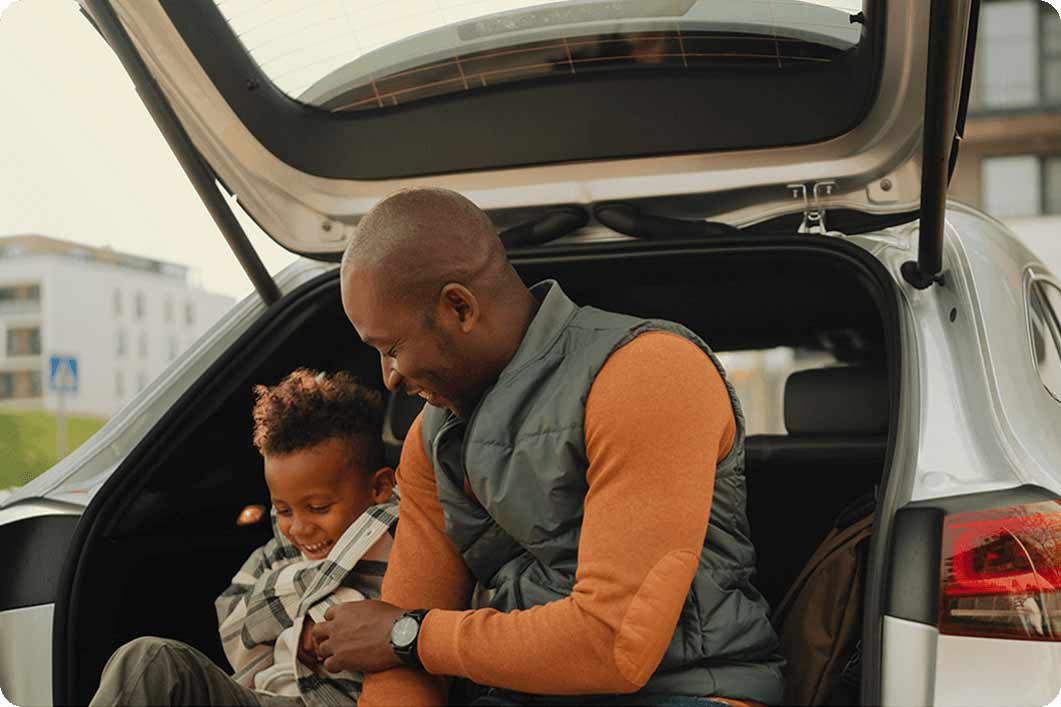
x=405, y=637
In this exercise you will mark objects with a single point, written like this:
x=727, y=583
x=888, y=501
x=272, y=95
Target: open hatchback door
x=736, y=111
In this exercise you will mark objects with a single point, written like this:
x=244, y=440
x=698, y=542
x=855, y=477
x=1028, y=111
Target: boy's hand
x=307, y=645
x=356, y=637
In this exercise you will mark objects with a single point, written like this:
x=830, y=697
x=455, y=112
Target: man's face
x=317, y=494
x=419, y=350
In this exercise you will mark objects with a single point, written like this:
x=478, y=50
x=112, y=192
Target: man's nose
x=391, y=377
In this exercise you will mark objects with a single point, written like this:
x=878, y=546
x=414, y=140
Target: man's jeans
x=483, y=696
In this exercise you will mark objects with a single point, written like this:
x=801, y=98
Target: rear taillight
x=1002, y=573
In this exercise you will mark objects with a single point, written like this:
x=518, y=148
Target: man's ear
x=460, y=305
x=382, y=484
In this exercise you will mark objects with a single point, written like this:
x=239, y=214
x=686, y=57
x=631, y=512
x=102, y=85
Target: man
x=585, y=468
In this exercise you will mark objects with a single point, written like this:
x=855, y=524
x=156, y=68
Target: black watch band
x=405, y=636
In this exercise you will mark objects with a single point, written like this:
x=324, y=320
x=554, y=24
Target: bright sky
x=81, y=159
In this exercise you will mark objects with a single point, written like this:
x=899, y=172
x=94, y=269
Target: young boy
x=333, y=505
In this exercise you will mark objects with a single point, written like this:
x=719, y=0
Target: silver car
x=771, y=174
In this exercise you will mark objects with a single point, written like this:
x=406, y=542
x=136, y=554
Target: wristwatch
x=404, y=635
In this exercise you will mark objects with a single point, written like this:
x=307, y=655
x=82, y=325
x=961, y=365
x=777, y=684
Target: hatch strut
x=940, y=126
x=200, y=174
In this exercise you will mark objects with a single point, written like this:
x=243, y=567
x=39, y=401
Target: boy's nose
x=298, y=527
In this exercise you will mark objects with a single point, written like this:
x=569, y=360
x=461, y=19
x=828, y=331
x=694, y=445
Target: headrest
x=401, y=410
x=839, y=400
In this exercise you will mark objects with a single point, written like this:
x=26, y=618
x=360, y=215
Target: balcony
x=19, y=307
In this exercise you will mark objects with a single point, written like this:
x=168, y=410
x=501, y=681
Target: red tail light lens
x=1002, y=573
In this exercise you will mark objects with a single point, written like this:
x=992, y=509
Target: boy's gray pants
x=161, y=671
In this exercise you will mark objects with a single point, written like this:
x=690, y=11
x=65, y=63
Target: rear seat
x=837, y=422
x=837, y=419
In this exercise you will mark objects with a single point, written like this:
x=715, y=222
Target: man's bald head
x=424, y=238
x=426, y=282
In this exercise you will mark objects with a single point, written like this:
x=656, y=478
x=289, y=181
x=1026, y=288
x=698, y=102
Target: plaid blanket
x=261, y=614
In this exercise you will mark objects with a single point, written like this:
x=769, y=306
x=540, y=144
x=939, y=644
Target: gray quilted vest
x=523, y=452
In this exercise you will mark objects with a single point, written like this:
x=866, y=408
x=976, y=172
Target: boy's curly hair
x=308, y=407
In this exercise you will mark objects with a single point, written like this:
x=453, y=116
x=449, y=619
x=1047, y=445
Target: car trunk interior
x=160, y=540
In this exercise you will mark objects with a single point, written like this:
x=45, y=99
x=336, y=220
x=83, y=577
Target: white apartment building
x=1010, y=159
x=123, y=317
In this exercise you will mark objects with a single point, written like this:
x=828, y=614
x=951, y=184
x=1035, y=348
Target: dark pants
x=161, y=671
x=478, y=695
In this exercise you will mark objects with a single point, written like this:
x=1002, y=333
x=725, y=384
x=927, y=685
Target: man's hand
x=307, y=646
x=355, y=637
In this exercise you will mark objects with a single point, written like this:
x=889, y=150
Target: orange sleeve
x=424, y=571
x=658, y=418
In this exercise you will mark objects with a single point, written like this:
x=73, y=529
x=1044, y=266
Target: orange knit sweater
x=658, y=419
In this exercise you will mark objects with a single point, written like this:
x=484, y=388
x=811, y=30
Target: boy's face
x=318, y=492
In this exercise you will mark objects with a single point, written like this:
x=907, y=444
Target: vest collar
x=554, y=312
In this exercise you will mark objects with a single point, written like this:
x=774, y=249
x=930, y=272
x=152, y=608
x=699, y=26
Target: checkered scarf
x=276, y=589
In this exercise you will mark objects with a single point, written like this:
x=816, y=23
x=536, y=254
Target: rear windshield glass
x=366, y=55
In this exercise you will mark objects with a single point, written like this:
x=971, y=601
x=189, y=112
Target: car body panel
x=26, y=655
x=875, y=167
x=925, y=667
x=909, y=655
x=990, y=671
x=975, y=364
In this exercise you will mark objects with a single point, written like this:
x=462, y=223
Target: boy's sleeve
x=247, y=596
x=424, y=571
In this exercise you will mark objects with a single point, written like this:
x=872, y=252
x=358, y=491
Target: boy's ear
x=382, y=484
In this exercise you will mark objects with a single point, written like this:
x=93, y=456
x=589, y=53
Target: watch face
x=404, y=631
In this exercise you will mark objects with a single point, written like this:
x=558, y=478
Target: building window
x=141, y=381
x=20, y=293
x=20, y=384
x=1018, y=56
x=24, y=341
x=117, y=303
x=174, y=349
x=140, y=307
x=1011, y=186
x=143, y=344
x=20, y=298
x=121, y=343
x=1052, y=184
x=189, y=313
x=1045, y=311
x=1051, y=48
x=119, y=384
x=169, y=310
x=1021, y=185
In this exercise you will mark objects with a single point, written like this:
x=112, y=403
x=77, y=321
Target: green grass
x=28, y=444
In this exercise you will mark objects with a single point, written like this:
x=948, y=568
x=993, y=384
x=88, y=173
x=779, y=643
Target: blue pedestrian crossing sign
x=63, y=375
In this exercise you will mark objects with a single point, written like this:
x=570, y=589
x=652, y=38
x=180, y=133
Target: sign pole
x=62, y=379
x=60, y=426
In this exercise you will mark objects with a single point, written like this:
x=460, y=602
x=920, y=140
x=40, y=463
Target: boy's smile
x=319, y=491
